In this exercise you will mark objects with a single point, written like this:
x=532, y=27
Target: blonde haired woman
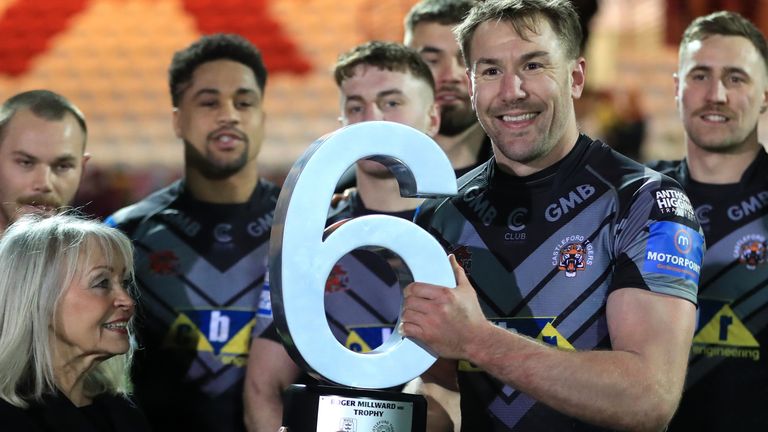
x=66, y=308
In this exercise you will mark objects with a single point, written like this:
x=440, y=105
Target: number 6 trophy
x=301, y=260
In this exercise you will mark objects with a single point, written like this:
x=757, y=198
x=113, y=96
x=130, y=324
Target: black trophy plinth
x=319, y=408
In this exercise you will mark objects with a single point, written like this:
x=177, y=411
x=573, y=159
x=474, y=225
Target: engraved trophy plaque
x=301, y=260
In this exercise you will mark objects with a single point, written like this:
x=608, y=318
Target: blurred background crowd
x=110, y=58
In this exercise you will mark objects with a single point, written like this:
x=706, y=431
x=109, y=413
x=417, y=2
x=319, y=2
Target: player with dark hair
x=429, y=30
x=201, y=244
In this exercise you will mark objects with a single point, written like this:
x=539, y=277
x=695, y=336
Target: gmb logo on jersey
x=225, y=333
x=750, y=250
x=573, y=254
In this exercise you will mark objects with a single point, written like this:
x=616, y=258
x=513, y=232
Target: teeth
x=121, y=325
x=225, y=138
x=521, y=117
x=715, y=118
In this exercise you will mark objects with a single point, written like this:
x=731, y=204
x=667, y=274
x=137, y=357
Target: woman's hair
x=39, y=258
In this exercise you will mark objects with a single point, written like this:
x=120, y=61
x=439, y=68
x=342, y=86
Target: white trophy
x=301, y=260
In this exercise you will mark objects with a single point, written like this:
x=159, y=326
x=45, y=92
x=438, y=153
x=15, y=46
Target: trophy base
x=320, y=408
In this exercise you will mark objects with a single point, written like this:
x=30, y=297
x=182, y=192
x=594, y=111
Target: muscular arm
x=635, y=386
x=270, y=371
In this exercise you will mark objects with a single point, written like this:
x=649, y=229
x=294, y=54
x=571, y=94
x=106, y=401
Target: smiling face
x=41, y=164
x=220, y=119
x=721, y=92
x=438, y=48
x=94, y=310
x=522, y=91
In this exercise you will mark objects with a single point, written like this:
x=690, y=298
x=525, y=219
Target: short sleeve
x=659, y=244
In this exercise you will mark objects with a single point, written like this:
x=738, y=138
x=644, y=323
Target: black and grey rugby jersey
x=545, y=251
x=200, y=270
x=727, y=384
x=362, y=293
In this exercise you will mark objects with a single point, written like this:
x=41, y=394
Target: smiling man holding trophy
x=381, y=85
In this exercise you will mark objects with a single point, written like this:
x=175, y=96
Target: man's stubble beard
x=456, y=119
x=209, y=167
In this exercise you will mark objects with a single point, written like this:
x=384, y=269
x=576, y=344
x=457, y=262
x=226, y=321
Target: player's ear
x=578, y=77
x=433, y=125
x=176, y=123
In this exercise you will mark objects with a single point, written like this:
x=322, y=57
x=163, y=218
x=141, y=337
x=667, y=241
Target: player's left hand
x=447, y=320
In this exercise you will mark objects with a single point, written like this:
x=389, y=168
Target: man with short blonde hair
x=721, y=89
x=42, y=154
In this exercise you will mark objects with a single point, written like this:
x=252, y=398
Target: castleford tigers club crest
x=573, y=254
x=163, y=262
x=751, y=251
x=463, y=257
x=337, y=281
x=572, y=259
